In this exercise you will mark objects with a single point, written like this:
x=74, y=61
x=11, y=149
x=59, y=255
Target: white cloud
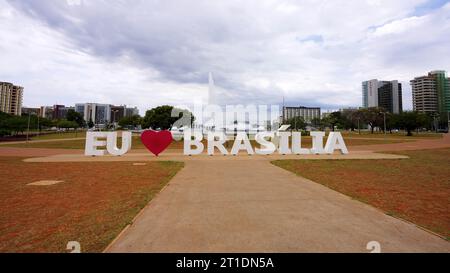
x=399, y=26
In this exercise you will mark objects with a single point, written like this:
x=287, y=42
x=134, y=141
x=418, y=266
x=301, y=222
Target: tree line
x=15, y=125
x=370, y=118
x=160, y=118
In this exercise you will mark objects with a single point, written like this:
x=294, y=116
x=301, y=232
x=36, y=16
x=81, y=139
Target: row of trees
x=157, y=118
x=160, y=118
x=15, y=125
x=369, y=118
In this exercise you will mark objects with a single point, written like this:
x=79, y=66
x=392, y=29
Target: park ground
x=97, y=200
x=93, y=204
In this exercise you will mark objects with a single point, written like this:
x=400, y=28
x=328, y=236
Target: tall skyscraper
x=385, y=94
x=11, y=97
x=431, y=93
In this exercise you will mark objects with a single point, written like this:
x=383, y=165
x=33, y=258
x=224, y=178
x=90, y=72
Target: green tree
x=133, y=121
x=74, y=116
x=317, y=123
x=373, y=117
x=45, y=123
x=17, y=124
x=67, y=124
x=4, y=128
x=297, y=123
x=351, y=119
x=392, y=121
x=333, y=120
x=410, y=121
x=160, y=118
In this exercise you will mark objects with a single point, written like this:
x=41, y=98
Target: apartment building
x=431, y=93
x=11, y=97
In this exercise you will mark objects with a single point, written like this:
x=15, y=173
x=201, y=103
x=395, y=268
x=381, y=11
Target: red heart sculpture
x=156, y=142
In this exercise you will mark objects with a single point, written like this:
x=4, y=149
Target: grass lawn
x=93, y=205
x=67, y=144
x=61, y=135
x=137, y=144
x=401, y=135
x=416, y=189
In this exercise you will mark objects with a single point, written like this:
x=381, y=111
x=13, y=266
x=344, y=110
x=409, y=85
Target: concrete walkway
x=253, y=206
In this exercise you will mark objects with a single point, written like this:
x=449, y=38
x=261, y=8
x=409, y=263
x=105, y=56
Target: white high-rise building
x=99, y=114
x=385, y=94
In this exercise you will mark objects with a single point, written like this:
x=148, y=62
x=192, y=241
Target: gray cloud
x=311, y=52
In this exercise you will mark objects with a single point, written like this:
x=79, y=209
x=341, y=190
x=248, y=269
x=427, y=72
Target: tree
x=410, y=121
x=4, y=129
x=332, y=120
x=392, y=121
x=373, y=117
x=133, y=121
x=351, y=119
x=74, y=116
x=17, y=124
x=297, y=123
x=317, y=123
x=66, y=124
x=160, y=118
x=45, y=123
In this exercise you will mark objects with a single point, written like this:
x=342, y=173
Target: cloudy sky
x=149, y=52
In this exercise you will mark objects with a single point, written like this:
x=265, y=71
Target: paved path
x=253, y=206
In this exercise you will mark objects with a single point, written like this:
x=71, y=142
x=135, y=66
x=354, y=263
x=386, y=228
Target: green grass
x=400, y=135
x=61, y=135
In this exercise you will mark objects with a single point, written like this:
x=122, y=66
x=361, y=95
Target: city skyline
x=383, y=88
x=61, y=54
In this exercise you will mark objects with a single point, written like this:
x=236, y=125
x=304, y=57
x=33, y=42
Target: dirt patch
x=45, y=183
x=94, y=204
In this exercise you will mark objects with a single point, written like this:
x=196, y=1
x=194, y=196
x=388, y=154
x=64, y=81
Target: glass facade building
x=385, y=94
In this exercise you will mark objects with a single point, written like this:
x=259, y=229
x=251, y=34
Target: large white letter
x=216, y=140
x=112, y=143
x=92, y=143
x=336, y=142
x=284, y=143
x=297, y=145
x=267, y=147
x=197, y=142
x=317, y=141
x=242, y=143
